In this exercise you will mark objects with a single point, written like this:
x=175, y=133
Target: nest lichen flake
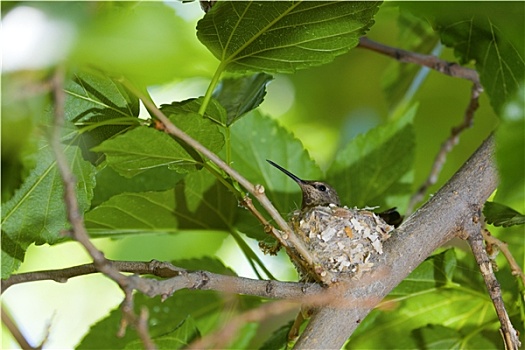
x=341, y=240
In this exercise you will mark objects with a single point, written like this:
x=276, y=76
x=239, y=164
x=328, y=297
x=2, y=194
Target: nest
x=342, y=241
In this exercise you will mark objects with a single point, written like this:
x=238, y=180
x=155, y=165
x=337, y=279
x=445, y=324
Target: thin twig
x=446, y=147
x=448, y=68
x=475, y=240
x=15, y=331
x=504, y=248
x=154, y=267
x=78, y=230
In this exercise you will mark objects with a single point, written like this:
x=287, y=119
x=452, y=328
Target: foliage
x=134, y=179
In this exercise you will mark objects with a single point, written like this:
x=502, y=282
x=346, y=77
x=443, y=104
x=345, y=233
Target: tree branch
x=448, y=68
x=177, y=278
x=435, y=223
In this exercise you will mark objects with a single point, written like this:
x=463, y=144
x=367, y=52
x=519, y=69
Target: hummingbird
x=318, y=193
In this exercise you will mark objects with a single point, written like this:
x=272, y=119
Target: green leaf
x=278, y=339
x=203, y=306
x=144, y=148
x=500, y=215
x=376, y=165
x=241, y=94
x=197, y=202
x=435, y=272
x=100, y=107
x=179, y=338
x=281, y=36
x=215, y=111
x=256, y=138
x=132, y=213
x=36, y=212
x=486, y=33
x=110, y=183
x=92, y=95
x=201, y=196
x=459, y=308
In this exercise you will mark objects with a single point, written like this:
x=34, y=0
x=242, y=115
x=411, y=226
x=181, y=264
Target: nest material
x=343, y=241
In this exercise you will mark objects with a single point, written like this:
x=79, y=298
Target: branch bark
x=439, y=220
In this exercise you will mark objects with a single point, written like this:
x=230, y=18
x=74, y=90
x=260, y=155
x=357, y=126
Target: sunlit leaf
x=145, y=148
x=90, y=95
x=36, y=212
x=132, y=213
x=283, y=36
x=372, y=166
x=111, y=183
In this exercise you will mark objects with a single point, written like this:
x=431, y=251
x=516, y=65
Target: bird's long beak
x=295, y=178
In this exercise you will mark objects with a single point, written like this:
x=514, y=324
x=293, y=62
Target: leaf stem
x=213, y=83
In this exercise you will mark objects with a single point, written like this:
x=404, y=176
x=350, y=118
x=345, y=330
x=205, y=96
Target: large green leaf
x=257, y=138
x=376, y=165
x=488, y=33
x=145, y=148
x=283, y=36
x=197, y=202
x=36, y=212
x=132, y=213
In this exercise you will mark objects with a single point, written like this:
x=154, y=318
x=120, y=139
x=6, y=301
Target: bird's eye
x=321, y=188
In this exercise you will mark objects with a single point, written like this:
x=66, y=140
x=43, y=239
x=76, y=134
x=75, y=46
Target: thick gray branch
x=439, y=220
